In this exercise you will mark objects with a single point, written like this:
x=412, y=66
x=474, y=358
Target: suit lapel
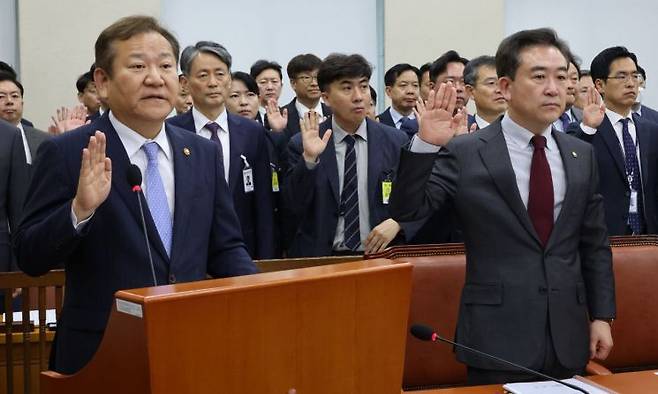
x=375, y=150
x=32, y=140
x=184, y=181
x=571, y=171
x=237, y=140
x=120, y=164
x=643, y=136
x=328, y=160
x=609, y=137
x=496, y=159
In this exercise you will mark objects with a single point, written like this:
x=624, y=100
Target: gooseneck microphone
x=135, y=180
x=426, y=333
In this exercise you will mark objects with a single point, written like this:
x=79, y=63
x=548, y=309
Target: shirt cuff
x=420, y=146
x=79, y=226
x=586, y=129
x=310, y=166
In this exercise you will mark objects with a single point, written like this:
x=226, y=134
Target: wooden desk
x=35, y=362
x=643, y=382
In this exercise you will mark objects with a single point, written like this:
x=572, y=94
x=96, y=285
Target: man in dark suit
x=482, y=85
x=339, y=181
x=640, y=109
x=82, y=213
x=403, y=88
x=88, y=96
x=626, y=145
x=206, y=69
x=569, y=116
x=303, y=73
x=11, y=111
x=539, y=287
x=11, y=174
x=449, y=67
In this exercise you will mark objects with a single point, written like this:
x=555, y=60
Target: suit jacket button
x=172, y=279
x=627, y=194
x=543, y=290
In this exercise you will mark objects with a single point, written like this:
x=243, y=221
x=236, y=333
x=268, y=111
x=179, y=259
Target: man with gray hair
x=206, y=68
x=481, y=83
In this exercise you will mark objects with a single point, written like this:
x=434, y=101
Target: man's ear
x=469, y=90
x=184, y=82
x=599, y=85
x=387, y=90
x=505, y=85
x=101, y=80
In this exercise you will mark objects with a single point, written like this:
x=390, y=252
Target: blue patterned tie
x=565, y=121
x=635, y=220
x=350, y=197
x=409, y=126
x=156, y=196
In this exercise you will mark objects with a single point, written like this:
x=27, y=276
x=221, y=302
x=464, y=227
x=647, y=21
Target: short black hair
x=575, y=60
x=373, y=94
x=424, y=68
x=600, y=67
x=394, y=72
x=305, y=62
x=7, y=69
x=7, y=76
x=247, y=80
x=507, y=56
x=473, y=68
x=585, y=73
x=440, y=65
x=337, y=66
x=83, y=81
x=262, y=65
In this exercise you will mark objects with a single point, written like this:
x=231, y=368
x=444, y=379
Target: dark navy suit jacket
x=109, y=252
x=649, y=114
x=254, y=209
x=293, y=118
x=386, y=118
x=614, y=183
x=314, y=197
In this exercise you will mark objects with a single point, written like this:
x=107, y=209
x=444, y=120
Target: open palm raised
x=313, y=144
x=439, y=123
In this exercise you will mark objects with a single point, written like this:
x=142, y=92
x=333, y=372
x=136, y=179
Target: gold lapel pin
x=186, y=151
x=574, y=154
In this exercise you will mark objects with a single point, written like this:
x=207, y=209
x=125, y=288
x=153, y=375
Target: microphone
x=135, y=180
x=426, y=333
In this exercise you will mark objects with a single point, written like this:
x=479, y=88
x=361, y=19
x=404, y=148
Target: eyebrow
x=544, y=68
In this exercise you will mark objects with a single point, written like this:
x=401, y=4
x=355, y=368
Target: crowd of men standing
x=324, y=175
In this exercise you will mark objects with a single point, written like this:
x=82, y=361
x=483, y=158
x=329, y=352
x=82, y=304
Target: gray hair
x=210, y=47
x=473, y=67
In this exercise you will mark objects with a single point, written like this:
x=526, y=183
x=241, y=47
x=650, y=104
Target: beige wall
x=56, y=41
x=419, y=31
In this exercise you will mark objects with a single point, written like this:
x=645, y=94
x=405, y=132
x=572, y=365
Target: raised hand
x=419, y=110
x=95, y=178
x=462, y=125
x=278, y=120
x=594, y=109
x=438, y=124
x=313, y=144
x=68, y=119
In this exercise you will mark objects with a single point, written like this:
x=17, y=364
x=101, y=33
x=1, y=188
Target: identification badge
x=387, y=185
x=633, y=206
x=275, y=181
x=247, y=176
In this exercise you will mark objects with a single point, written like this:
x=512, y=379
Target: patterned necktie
x=565, y=121
x=350, y=197
x=635, y=220
x=540, y=196
x=214, y=128
x=156, y=196
x=409, y=126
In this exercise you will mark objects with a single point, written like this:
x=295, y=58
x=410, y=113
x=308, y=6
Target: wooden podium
x=330, y=329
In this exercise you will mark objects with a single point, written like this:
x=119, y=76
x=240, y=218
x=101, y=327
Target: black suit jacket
x=515, y=288
x=13, y=176
x=293, y=118
x=649, y=114
x=614, y=184
x=108, y=254
x=255, y=210
x=386, y=118
x=313, y=195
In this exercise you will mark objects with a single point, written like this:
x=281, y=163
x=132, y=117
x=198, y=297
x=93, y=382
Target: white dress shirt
x=302, y=109
x=520, y=151
x=481, y=122
x=200, y=122
x=28, y=154
x=615, y=119
x=397, y=117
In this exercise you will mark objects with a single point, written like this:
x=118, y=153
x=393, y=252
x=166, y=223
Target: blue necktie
x=350, y=197
x=156, y=196
x=565, y=121
x=635, y=220
x=409, y=126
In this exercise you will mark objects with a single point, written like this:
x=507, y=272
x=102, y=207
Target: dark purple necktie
x=565, y=121
x=214, y=128
x=540, y=196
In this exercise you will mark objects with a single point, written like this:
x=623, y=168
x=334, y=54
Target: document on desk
x=550, y=387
